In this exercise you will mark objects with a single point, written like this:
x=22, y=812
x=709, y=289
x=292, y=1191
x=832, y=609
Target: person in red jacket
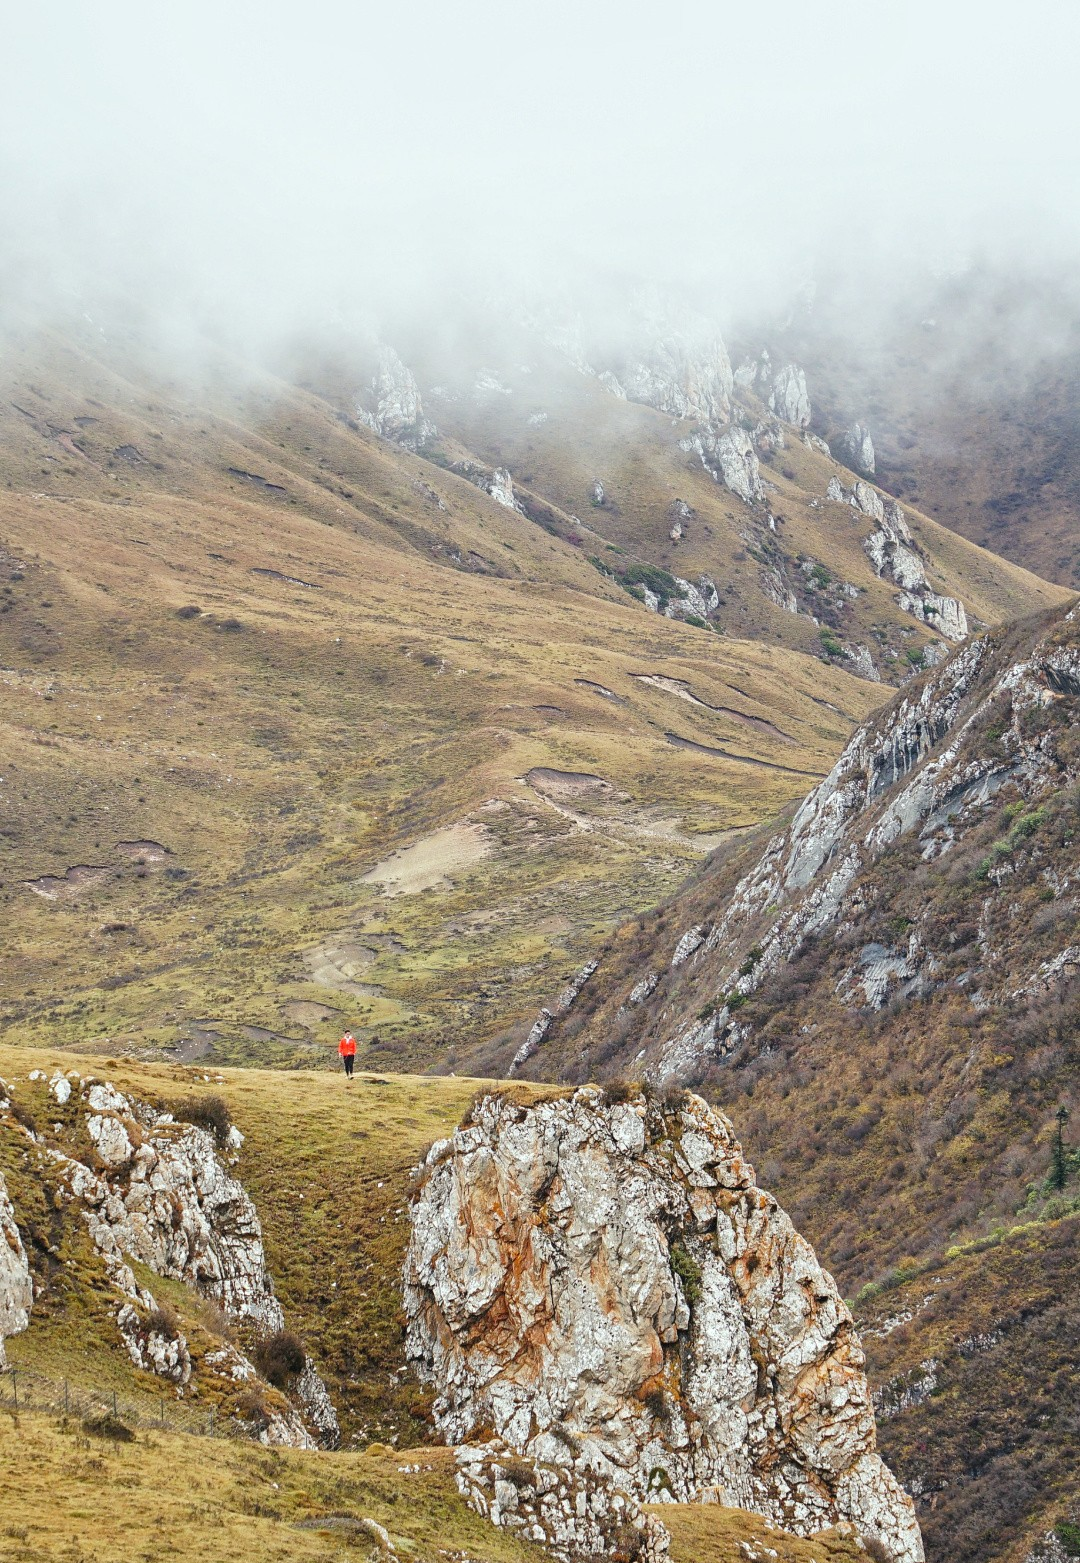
x=347, y=1048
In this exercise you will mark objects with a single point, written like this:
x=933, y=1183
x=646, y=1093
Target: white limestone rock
x=392, y=404
x=867, y=499
x=163, y=1197
x=730, y=457
x=681, y=376
x=788, y=398
x=60, y=1089
x=612, y=385
x=856, y=448
x=16, y=1285
x=656, y=1311
x=815, y=442
x=501, y=489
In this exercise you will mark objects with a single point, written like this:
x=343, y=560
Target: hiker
x=347, y=1048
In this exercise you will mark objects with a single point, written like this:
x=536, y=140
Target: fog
x=282, y=168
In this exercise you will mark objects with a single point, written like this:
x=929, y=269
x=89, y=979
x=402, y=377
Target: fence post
x=211, y=1421
x=163, y=1410
x=15, y=1388
x=115, y=1413
x=65, y=1397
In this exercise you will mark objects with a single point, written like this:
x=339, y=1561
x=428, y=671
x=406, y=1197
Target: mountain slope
x=226, y=708
x=305, y=728
x=886, y=998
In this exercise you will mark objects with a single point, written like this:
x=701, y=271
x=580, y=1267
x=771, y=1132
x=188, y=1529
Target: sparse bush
x=209, y=1112
x=162, y=1321
x=104, y=1425
x=280, y=1358
x=688, y=1270
x=622, y=1091
x=188, y=611
x=1068, y=1533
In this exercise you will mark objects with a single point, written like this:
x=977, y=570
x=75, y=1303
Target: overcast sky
x=279, y=163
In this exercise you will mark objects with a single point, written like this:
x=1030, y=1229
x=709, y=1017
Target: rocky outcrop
x=602, y=1287
x=679, y=515
x=681, y=376
x=16, y=1287
x=501, y=489
x=543, y=1022
x=156, y=1192
x=731, y=459
x=921, y=767
x=392, y=405
x=892, y=552
x=856, y=449
x=788, y=398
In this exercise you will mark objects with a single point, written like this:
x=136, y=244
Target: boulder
x=602, y=1287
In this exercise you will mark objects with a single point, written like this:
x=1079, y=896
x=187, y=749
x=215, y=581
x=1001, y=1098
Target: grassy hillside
x=247, y=653
x=329, y=1167
x=251, y=654
x=167, y=1498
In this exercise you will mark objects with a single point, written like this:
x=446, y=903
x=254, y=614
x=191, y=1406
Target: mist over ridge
x=264, y=173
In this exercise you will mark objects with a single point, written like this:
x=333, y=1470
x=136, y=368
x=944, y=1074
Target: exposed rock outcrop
x=788, y=398
x=918, y=768
x=604, y=1288
x=683, y=377
x=501, y=489
x=543, y=1022
x=392, y=406
x=16, y=1287
x=892, y=551
x=159, y=1194
x=731, y=459
x=856, y=449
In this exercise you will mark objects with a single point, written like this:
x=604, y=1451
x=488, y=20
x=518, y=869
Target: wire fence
x=107, y=1411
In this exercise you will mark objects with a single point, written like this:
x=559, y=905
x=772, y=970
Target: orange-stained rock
x=604, y=1286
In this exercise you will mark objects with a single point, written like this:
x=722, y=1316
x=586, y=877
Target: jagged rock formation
x=161, y=1196
x=603, y=1287
x=501, y=489
x=731, y=459
x=542, y=1025
x=789, y=398
x=894, y=554
x=392, y=405
x=856, y=449
x=16, y=1287
x=892, y=551
x=682, y=377
x=918, y=768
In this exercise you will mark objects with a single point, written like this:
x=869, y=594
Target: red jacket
x=347, y=1047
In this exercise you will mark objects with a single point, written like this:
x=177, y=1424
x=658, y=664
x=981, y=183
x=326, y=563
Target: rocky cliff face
x=392, y=405
x=157, y=1192
x=600, y=1290
x=16, y=1288
x=925, y=770
x=789, y=398
x=679, y=376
